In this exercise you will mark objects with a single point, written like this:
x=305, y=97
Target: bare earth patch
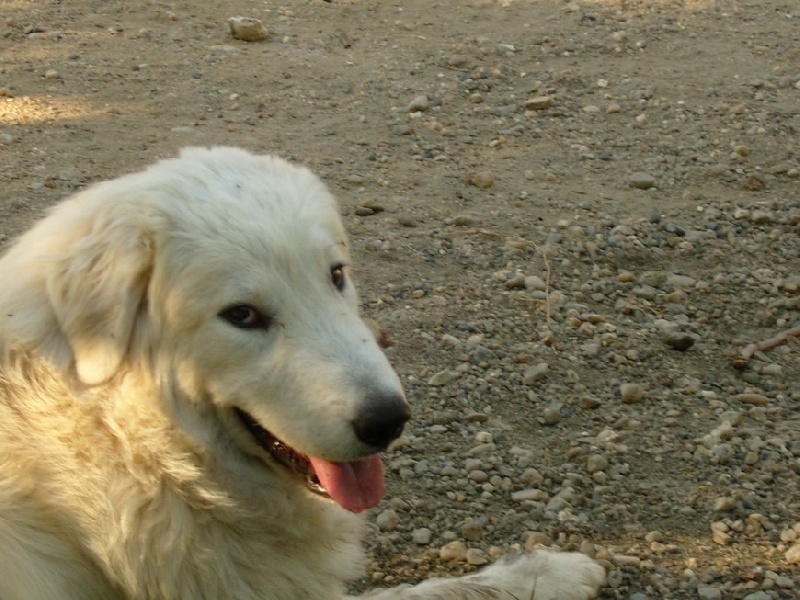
x=569, y=216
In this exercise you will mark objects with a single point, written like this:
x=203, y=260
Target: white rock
x=478, y=476
x=631, y=393
x=539, y=103
x=450, y=340
x=419, y=104
x=532, y=282
x=529, y=494
x=626, y=560
x=793, y=555
x=476, y=558
x=247, y=29
x=484, y=437
x=535, y=373
x=708, y=593
x=680, y=281
x=453, y=552
x=596, y=462
x=387, y=520
x=642, y=181
x=441, y=378
x=421, y=536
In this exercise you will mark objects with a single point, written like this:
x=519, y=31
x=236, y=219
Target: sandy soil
x=526, y=183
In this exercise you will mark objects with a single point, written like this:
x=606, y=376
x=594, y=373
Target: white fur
x=122, y=472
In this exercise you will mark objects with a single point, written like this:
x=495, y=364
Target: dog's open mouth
x=355, y=486
x=288, y=457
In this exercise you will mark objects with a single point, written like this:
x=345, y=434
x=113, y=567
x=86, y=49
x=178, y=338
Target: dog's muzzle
x=355, y=485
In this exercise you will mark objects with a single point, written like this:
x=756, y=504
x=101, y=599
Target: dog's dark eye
x=245, y=316
x=337, y=276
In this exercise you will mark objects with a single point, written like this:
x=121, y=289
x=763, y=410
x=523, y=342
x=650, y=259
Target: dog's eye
x=245, y=316
x=337, y=276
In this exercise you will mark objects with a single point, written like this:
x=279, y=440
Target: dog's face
x=238, y=293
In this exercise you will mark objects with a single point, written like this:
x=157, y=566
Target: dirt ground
x=548, y=200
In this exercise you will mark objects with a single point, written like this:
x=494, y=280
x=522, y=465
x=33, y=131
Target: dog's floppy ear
x=98, y=286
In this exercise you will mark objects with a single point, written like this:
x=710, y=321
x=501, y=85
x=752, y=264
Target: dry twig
x=543, y=251
x=741, y=360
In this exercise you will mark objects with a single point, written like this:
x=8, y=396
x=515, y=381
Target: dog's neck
x=118, y=450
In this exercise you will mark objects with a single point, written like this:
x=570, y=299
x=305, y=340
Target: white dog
x=190, y=405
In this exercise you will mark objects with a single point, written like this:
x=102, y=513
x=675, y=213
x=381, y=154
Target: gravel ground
x=570, y=217
x=580, y=392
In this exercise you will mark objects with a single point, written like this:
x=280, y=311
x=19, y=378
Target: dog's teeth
x=314, y=485
x=283, y=454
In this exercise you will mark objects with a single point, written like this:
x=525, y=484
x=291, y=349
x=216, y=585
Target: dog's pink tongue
x=356, y=486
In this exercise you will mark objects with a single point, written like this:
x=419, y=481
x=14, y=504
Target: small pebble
x=247, y=29
x=590, y=402
x=455, y=551
x=679, y=341
x=420, y=103
x=539, y=103
x=631, y=393
x=441, y=378
x=793, y=555
x=421, y=536
x=551, y=416
x=535, y=539
x=482, y=179
x=596, y=462
x=754, y=399
x=529, y=494
x=624, y=560
x=387, y=520
x=532, y=282
x=374, y=206
x=641, y=181
x=472, y=529
x=535, y=373
x=463, y=220
x=761, y=217
x=709, y=593
x=724, y=504
x=407, y=221
x=476, y=558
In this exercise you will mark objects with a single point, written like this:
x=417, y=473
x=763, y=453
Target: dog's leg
x=541, y=575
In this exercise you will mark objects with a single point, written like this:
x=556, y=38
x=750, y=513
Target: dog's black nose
x=381, y=420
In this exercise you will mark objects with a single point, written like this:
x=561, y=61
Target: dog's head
x=227, y=277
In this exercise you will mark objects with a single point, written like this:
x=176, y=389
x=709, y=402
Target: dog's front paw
x=546, y=575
